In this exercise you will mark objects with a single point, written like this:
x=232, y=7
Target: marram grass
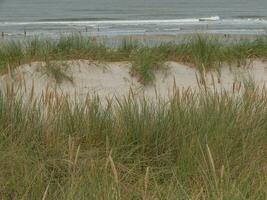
x=57, y=71
x=196, y=145
x=202, y=52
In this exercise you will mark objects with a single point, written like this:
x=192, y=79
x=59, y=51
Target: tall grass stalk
x=196, y=145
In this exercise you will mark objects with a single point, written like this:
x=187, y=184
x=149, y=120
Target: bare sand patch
x=113, y=79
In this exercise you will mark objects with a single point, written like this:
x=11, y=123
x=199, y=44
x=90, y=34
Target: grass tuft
x=144, y=62
x=58, y=71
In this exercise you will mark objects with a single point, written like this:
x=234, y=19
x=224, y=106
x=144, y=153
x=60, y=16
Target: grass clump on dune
x=127, y=46
x=145, y=61
x=58, y=71
x=203, y=52
x=193, y=146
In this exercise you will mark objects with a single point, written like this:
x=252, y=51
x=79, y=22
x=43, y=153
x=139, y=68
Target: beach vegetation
x=57, y=71
x=200, y=51
x=194, y=145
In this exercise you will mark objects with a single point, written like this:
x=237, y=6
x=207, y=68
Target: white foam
x=215, y=18
x=118, y=22
x=120, y=27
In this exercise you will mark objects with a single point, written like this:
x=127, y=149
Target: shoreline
x=139, y=36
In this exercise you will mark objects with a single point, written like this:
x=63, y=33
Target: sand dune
x=113, y=79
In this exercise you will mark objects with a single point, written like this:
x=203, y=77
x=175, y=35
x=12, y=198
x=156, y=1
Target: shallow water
x=100, y=17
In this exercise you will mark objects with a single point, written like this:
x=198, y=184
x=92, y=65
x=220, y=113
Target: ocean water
x=124, y=17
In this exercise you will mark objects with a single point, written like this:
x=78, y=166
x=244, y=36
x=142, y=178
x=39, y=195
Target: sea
x=132, y=17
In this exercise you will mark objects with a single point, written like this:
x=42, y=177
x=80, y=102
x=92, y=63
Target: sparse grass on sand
x=144, y=62
x=203, y=52
x=196, y=145
x=57, y=71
